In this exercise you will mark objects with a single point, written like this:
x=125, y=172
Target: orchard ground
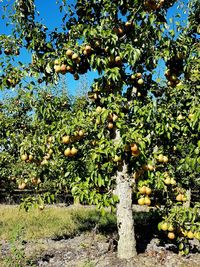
x=79, y=236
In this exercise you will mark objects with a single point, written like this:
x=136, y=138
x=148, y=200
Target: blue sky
x=49, y=11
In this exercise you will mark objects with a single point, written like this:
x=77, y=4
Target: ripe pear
x=66, y=139
x=24, y=157
x=67, y=152
x=74, y=151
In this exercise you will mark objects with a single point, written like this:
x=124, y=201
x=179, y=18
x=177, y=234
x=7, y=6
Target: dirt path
x=89, y=250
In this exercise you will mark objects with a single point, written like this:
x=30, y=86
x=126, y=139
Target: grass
x=17, y=226
x=52, y=222
x=56, y=222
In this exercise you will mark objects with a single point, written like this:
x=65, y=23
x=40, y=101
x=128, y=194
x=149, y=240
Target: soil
x=98, y=249
x=91, y=249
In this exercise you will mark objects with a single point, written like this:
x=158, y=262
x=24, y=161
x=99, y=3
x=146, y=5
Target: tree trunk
x=125, y=223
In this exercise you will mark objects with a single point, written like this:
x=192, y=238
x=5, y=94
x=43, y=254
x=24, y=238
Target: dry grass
x=50, y=222
x=37, y=224
x=17, y=226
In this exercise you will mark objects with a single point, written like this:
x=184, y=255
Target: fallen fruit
x=41, y=207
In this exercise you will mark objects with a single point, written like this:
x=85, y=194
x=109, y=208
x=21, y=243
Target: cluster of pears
x=70, y=152
x=73, y=62
x=174, y=69
x=23, y=183
x=112, y=117
x=47, y=157
x=111, y=120
x=12, y=77
x=122, y=28
x=172, y=78
x=136, y=81
x=137, y=78
x=145, y=191
x=181, y=198
x=67, y=139
x=114, y=61
x=146, y=167
x=171, y=229
x=135, y=152
x=165, y=226
x=162, y=159
x=10, y=51
x=168, y=180
x=191, y=233
x=30, y=158
x=27, y=158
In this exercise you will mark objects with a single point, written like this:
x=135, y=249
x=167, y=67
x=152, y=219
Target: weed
x=16, y=256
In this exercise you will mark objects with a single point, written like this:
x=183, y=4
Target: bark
x=125, y=222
